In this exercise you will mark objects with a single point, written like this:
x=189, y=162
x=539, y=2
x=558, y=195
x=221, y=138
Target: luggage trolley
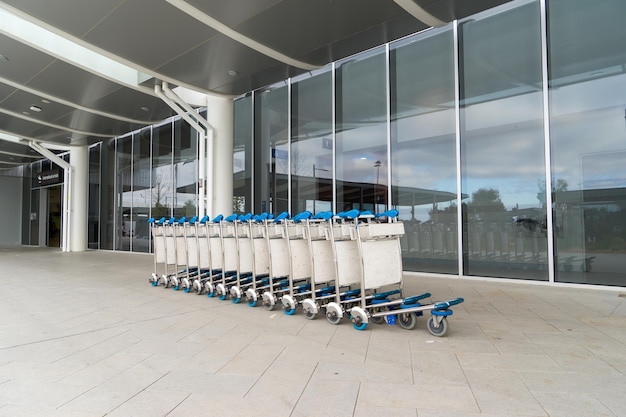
x=181, y=254
x=278, y=256
x=259, y=259
x=169, y=249
x=158, y=240
x=203, y=256
x=378, y=247
x=212, y=230
x=323, y=271
x=187, y=253
x=230, y=257
x=305, y=275
x=251, y=270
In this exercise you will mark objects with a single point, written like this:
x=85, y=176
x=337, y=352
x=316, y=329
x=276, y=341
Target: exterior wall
x=11, y=209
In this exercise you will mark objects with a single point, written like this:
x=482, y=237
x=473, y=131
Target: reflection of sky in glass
x=588, y=131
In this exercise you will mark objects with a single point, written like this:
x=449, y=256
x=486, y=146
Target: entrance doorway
x=55, y=210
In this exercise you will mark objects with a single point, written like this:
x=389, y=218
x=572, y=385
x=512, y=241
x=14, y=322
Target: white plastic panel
x=382, y=262
x=348, y=262
x=215, y=246
x=323, y=262
x=192, y=252
x=380, y=230
x=203, y=249
x=230, y=253
x=300, y=259
x=261, y=257
x=245, y=255
x=280, y=257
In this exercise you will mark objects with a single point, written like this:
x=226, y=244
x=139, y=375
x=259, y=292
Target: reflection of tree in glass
x=300, y=164
x=160, y=192
x=558, y=186
x=239, y=204
x=486, y=205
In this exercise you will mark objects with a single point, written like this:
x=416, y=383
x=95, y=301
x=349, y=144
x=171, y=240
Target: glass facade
x=502, y=144
x=312, y=143
x=485, y=115
x=500, y=139
x=423, y=150
x=361, y=157
x=587, y=80
x=271, y=150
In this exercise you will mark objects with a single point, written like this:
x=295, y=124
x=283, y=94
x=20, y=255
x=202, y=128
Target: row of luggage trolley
x=348, y=264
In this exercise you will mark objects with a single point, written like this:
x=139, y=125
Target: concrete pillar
x=220, y=113
x=79, y=159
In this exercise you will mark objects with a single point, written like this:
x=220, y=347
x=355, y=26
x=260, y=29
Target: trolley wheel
x=268, y=301
x=378, y=319
x=251, y=297
x=153, y=278
x=358, y=317
x=155, y=283
x=174, y=283
x=186, y=285
x=197, y=287
x=235, y=295
x=209, y=289
x=437, y=330
x=309, y=309
x=289, y=305
x=333, y=313
x=407, y=321
x=163, y=280
x=220, y=290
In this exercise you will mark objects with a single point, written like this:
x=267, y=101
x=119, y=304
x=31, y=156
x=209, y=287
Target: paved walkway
x=83, y=335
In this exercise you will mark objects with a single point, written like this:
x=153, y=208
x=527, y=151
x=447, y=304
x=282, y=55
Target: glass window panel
x=311, y=144
x=124, y=225
x=162, y=192
x=93, y=223
x=271, y=151
x=185, y=170
x=107, y=194
x=588, y=149
x=361, y=132
x=423, y=144
x=141, y=198
x=242, y=156
x=502, y=144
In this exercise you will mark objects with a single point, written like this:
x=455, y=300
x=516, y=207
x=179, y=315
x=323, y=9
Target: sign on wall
x=50, y=177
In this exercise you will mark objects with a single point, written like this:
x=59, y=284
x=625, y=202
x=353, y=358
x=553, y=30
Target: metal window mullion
x=115, y=196
x=289, y=201
x=457, y=122
x=99, y=194
x=251, y=151
x=546, y=133
x=132, y=185
x=388, y=92
x=172, y=170
x=150, y=193
x=334, y=134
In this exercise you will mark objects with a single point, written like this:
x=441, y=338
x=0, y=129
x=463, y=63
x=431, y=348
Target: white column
x=220, y=115
x=79, y=197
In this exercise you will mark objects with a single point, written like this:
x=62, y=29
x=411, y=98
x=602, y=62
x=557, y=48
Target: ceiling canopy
x=74, y=72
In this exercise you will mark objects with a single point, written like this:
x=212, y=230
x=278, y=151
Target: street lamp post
x=377, y=165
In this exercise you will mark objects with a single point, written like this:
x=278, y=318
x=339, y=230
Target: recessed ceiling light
x=144, y=108
x=35, y=108
x=43, y=100
x=26, y=113
x=233, y=73
x=4, y=58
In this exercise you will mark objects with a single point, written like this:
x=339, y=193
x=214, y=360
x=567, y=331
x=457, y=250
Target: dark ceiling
x=211, y=46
